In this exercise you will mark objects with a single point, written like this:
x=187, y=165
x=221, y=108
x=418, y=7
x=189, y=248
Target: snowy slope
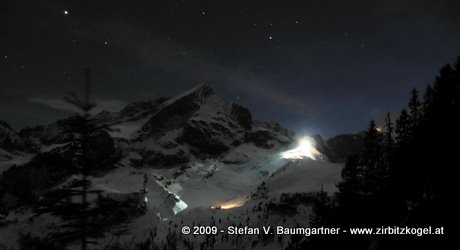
x=305, y=176
x=195, y=151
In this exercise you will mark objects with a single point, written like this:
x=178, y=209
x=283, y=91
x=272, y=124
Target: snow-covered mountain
x=190, y=152
x=338, y=148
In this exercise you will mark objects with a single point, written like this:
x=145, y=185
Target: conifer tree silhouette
x=79, y=206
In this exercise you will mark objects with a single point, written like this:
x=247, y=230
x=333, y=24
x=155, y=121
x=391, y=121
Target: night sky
x=315, y=66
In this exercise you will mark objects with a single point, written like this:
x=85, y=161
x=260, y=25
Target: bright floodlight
x=304, y=149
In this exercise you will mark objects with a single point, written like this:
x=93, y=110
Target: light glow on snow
x=305, y=149
x=180, y=205
x=230, y=204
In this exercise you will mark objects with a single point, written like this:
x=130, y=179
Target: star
x=106, y=43
x=203, y=12
x=270, y=37
x=66, y=12
x=297, y=22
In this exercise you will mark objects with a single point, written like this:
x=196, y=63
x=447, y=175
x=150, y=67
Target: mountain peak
x=199, y=92
x=5, y=125
x=202, y=89
x=175, y=111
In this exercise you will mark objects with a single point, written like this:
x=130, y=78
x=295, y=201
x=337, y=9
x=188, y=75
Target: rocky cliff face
x=9, y=140
x=338, y=148
x=12, y=142
x=169, y=132
x=164, y=133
